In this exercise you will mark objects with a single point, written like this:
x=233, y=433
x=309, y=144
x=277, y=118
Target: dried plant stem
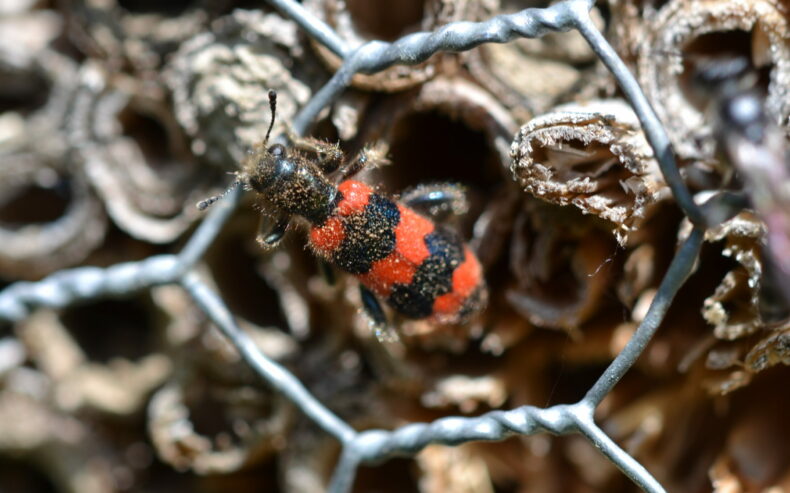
x=68, y=287
x=678, y=271
x=275, y=375
x=654, y=130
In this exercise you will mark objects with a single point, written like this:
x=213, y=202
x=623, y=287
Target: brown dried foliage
x=118, y=115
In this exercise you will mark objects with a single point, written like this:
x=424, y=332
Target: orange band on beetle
x=447, y=304
x=393, y=269
x=410, y=235
x=468, y=275
x=326, y=238
x=355, y=197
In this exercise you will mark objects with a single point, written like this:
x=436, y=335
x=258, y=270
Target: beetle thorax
x=292, y=184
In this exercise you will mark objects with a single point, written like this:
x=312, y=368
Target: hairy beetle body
x=421, y=269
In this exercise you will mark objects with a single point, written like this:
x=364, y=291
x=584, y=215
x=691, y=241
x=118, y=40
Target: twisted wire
x=375, y=56
x=676, y=275
x=275, y=375
x=70, y=286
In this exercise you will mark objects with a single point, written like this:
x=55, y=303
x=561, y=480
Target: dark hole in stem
x=721, y=45
x=23, y=92
x=235, y=269
x=396, y=475
x=431, y=147
x=170, y=7
x=150, y=135
x=386, y=20
x=16, y=475
x=33, y=204
x=108, y=329
x=214, y=415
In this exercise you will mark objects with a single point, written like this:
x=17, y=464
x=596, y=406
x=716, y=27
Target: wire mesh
x=373, y=446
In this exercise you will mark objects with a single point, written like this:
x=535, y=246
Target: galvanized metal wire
x=71, y=286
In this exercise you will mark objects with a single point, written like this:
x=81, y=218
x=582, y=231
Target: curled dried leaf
x=683, y=30
x=210, y=429
x=145, y=185
x=746, y=358
x=49, y=218
x=734, y=308
x=220, y=79
x=593, y=157
x=559, y=260
x=770, y=351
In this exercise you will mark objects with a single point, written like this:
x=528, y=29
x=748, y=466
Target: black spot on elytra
x=410, y=300
x=369, y=236
x=434, y=277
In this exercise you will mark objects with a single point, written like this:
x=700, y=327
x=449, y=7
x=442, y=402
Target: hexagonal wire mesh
x=71, y=286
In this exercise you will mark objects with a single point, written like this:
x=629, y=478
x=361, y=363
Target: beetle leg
x=329, y=157
x=437, y=201
x=269, y=237
x=370, y=156
x=327, y=272
x=375, y=313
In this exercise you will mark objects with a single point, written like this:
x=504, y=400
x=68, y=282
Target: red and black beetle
x=423, y=270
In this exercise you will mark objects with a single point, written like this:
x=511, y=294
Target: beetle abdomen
x=421, y=269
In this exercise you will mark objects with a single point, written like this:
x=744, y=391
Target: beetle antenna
x=204, y=204
x=273, y=108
